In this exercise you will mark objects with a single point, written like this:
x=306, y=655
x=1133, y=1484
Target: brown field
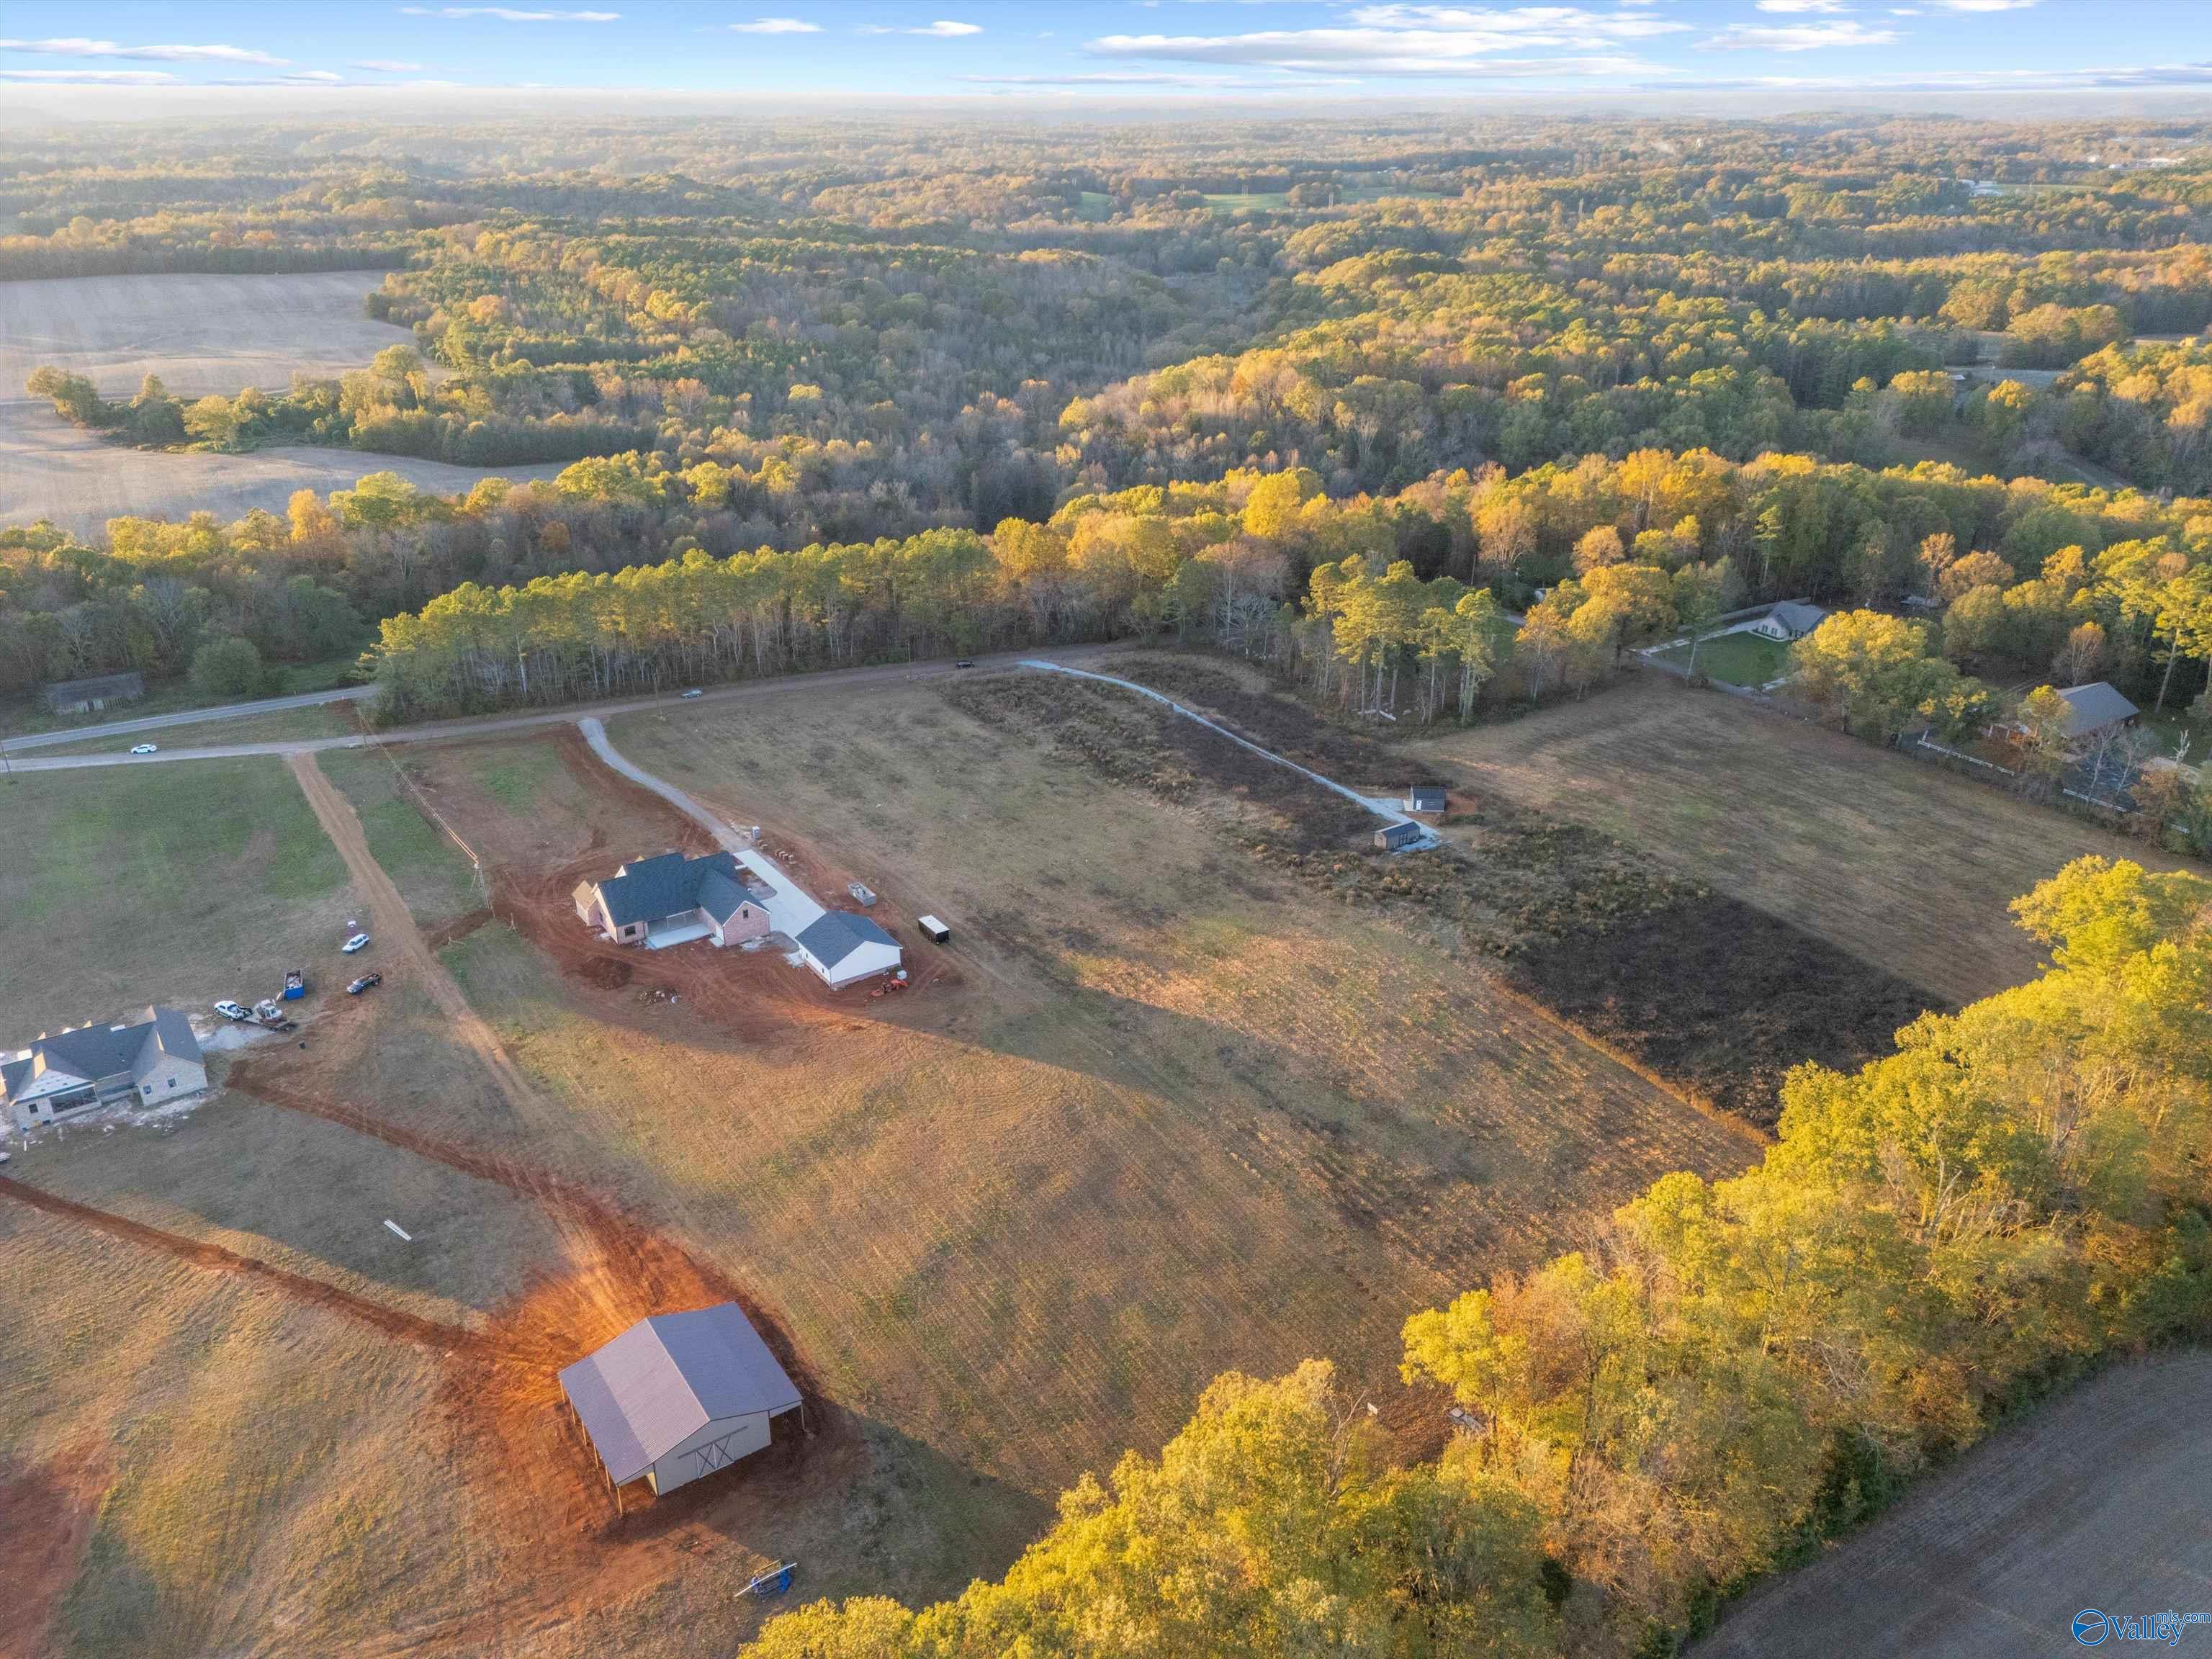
x=1154, y=1114
x=2099, y=1499
x=200, y=334
x=1903, y=863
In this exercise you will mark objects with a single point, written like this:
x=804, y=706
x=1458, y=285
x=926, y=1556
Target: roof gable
x=664, y=1378
x=652, y=890
x=93, y=1052
x=836, y=935
x=2091, y=708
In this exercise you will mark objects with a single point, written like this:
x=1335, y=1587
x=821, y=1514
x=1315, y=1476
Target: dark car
x=965, y=662
x=363, y=983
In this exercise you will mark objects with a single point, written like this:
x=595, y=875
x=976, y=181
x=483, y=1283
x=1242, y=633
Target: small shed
x=1390, y=838
x=90, y=695
x=1425, y=797
x=679, y=1395
x=937, y=930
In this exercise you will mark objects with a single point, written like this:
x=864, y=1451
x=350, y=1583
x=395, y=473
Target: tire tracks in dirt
x=454, y=1339
x=393, y=920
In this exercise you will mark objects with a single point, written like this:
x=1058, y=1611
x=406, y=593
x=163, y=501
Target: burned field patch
x=1714, y=997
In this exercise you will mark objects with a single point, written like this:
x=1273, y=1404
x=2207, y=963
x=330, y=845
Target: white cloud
x=1803, y=5
x=82, y=48
x=940, y=30
x=93, y=77
x=2083, y=80
x=1983, y=5
x=776, y=25
x=389, y=66
x=1799, y=36
x=1423, y=40
x=1166, y=78
x=508, y=14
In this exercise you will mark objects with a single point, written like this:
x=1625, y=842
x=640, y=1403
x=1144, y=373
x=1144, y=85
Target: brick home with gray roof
x=147, y=1062
x=673, y=899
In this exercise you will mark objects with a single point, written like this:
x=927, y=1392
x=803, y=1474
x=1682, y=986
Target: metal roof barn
x=679, y=1395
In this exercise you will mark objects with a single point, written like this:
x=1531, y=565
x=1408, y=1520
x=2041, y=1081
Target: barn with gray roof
x=679, y=1395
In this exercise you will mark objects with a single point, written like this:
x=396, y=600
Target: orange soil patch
x=46, y=1512
x=458, y=929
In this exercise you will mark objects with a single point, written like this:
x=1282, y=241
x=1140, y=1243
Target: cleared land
x=2100, y=1500
x=200, y=334
x=121, y=889
x=1901, y=863
x=1154, y=1114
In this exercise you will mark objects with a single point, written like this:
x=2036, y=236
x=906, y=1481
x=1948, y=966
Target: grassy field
x=1901, y=863
x=178, y=885
x=1156, y=1114
x=431, y=872
x=321, y=719
x=200, y=334
x=1737, y=659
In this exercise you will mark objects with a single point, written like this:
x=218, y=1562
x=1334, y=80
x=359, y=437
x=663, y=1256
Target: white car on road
x=357, y=942
x=147, y=749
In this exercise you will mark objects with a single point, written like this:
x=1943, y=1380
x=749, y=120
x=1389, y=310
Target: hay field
x=200, y=334
x=1152, y=1116
x=1905, y=865
x=127, y=885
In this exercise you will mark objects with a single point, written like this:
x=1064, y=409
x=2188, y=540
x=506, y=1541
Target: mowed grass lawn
x=1737, y=659
x=179, y=883
x=1908, y=865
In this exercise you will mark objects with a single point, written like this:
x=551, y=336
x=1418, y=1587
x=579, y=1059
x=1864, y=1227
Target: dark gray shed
x=1395, y=835
x=679, y=1395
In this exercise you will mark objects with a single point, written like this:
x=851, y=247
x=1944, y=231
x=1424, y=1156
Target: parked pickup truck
x=230, y=1010
x=366, y=982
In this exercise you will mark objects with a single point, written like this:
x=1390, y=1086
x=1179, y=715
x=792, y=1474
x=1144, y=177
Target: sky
x=1177, y=51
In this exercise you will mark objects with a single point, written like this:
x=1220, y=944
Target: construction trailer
x=937, y=932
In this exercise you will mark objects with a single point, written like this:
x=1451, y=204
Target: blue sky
x=1184, y=50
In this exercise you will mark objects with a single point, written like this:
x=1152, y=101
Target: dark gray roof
x=2094, y=707
x=1798, y=618
x=649, y=890
x=1426, y=795
x=93, y=1052
x=666, y=1378
x=836, y=935
x=720, y=896
x=100, y=685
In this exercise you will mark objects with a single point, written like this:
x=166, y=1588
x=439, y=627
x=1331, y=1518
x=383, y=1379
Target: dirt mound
x=46, y=1512
x=458, y=929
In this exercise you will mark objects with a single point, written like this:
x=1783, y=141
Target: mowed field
x=1150, y=1118
x=1903, y=863
x=130, y=885
x=201, y=334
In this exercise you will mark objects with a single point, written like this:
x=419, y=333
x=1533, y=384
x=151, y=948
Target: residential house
x=673, y=899
x=147, y=1062
x=1788, y=621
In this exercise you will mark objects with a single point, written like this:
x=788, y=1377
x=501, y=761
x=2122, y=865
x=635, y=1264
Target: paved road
x=493, y=724
x=184, y=717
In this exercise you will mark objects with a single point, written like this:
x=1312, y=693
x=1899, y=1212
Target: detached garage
x=679, y=1395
